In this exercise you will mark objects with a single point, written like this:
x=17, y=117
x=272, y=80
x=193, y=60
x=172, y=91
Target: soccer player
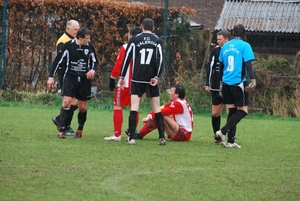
x=236, y=58
x=72, y=28
x=146, y=52
x=212, y=85
x=121, y=96
x=81, y=65
x=178, y=117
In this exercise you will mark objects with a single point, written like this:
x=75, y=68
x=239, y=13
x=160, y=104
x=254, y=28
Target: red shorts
x=181, y=135
x=122, y=97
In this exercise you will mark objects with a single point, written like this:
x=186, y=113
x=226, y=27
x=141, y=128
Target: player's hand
x=207, y=88
x=50, y=83
x=147, y=118
x=90, y=75
x=251, y=86
x=122, y=83
x=112, y=84
x=154, y=81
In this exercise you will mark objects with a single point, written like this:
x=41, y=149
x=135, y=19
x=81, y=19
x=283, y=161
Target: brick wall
x=207, y=11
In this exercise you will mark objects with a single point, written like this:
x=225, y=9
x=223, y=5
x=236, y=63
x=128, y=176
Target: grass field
x=36, y=165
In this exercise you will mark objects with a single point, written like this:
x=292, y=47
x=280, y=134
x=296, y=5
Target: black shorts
x=216, y=99
x=235, y=94
x=141, y=88
x=77, y=86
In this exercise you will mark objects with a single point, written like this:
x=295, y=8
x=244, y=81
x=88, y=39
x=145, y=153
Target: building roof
x=261, y=16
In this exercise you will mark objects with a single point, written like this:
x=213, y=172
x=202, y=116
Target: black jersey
x=213, y=77
x=146, y=52
x=79, y=59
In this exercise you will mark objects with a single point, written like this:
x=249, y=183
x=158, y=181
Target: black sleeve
x=127, y=58
x=57, y=61
x=208, y=67
x=94, y=59
x=221, y=70
x=249, y=69
x=159, y=58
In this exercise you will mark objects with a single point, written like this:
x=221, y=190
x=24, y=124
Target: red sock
x=147, y=128
x=118, y=121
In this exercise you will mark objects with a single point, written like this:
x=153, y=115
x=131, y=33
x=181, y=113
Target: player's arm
x=251, y=86
x=116, y=70
x=159, y=58
x=127, y=58
x=169, y=109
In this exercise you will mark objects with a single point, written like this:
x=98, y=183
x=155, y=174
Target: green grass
x=36, y=165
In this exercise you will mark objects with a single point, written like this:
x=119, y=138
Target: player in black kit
x=81, y=65
x=146, y=52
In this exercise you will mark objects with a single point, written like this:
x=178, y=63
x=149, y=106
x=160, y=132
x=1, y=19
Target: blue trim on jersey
x=234, y=54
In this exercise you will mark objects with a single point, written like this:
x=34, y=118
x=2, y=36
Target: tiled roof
x=261, y=16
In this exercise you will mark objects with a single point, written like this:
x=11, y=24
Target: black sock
x=63, y=118
x=159, y=120
x=216, y=122
x=72, y=109
x=233, y=121
x=232, y=131
x=132, y=124
x=81, y=119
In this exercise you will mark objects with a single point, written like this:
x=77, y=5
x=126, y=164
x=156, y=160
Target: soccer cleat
x=78, y=134
x=162, y=141
x=222, y=137
x=131, y=142
x=112, y=138
x=70, y=132
x=61, y=135
x=55, y=121
x=233, y=145
x=218, y=141
x=136, y=135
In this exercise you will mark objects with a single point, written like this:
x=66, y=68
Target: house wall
x=207, y=11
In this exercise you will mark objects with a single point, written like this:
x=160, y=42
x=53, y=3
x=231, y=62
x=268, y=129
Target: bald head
x=72, y=27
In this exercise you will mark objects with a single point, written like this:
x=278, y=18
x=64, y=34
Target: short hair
x=225, y=33
x=70, y=23
x=179, y=89
x=135, y=30
x=239, y=30
x=82, y=32
x=148, y=24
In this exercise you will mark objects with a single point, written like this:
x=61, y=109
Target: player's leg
x=82, y=116
x=232, y=131
x=147, y=128
x=216, y=113
x=135, y=103
x=171, y=127
x=64, y=116
x=72, y=109
x=155, y=103
x=83, y=94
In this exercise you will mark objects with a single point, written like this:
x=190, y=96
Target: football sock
x=118, y=121
x=231, y=132
x=81, y=119
x=216, y=122
x=63, y=118
x=132, y=124
x=147, y=128
x=159, y=119
x=233, y=121
x=72, y=109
